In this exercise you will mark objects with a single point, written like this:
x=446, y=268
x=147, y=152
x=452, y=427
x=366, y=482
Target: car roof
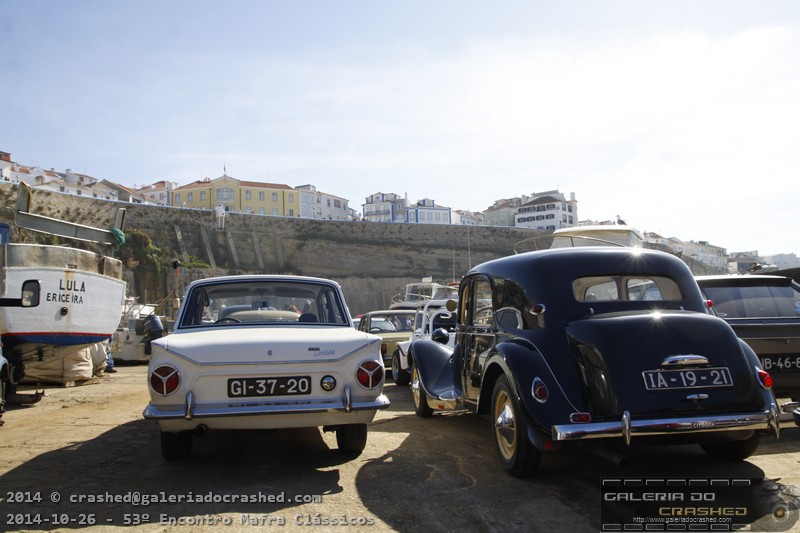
x=262, y=277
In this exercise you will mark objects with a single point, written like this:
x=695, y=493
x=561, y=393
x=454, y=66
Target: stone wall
x=372, y=261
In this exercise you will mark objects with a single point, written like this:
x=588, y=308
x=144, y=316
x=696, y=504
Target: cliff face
x=371, y=261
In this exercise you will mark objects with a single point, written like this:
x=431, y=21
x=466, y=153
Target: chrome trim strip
x=164, y=412
x=684, y=360
x=762, y=420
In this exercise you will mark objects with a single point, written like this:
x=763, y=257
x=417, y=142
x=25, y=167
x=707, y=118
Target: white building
x=159, y=193
x=548, y=211
x=385, y=207
x=461, y=217
x=783, y=261
x=708, y=254
x=318, y=205
x=427, y=212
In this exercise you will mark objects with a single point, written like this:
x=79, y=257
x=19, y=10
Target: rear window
x=758, y=301
x=263, y=302
x=626, y=288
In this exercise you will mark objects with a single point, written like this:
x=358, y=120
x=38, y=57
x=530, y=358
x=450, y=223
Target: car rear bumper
x=191, y=410
x=628, y=428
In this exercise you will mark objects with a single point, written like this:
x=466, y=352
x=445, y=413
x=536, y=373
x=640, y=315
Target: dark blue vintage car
x=594, y=343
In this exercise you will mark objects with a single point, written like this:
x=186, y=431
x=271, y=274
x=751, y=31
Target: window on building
x=291, y=198
x=202, y=195
x=248, y=195
x=262, y=195
x=291, y=212
x=337, y=203
x=274, y=211
x=261, y=211
x=225, y=194
x=177, y=197
x=190, y=197
x=274, y=197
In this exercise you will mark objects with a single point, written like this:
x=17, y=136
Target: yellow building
x=275, y=199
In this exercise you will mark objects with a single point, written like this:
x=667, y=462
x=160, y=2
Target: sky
x=682, y=117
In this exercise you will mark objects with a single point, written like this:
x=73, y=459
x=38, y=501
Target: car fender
x=433, y=362
x=523, y=363
x=404, y=347
x=768, y=394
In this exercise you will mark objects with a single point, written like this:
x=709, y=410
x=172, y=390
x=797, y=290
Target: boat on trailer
x=82, y=292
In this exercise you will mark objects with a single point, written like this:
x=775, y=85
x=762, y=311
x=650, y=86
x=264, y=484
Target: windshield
x=755, y=301
x=263, y=302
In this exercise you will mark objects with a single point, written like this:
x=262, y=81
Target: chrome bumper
x=628, y=428
x=191, y=410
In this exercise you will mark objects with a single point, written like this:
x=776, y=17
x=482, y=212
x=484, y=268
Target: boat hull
x=81, y=300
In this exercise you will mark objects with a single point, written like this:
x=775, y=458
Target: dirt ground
x=84, y=457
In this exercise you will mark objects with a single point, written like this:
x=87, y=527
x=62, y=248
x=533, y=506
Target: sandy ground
x=64, y=458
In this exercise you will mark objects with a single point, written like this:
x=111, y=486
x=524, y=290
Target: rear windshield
x=626, y=288
x=758, y=301
x=263, y=302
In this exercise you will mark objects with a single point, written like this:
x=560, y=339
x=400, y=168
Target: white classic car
x=264, y=352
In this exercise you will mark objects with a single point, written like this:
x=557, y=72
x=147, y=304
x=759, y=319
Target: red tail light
x=539, y=391
x=165, y=380
x=764, y=378
x=370, y=374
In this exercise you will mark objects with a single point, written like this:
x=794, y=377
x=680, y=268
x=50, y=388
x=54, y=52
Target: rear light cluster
x=370, y=374
x=539, y=390
x=764, y=378
x=165, y=380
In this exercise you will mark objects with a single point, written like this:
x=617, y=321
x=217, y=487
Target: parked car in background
x=575, y=344
x=764, y=311
x=264, y=352
x=429, y=317
x=391, y=325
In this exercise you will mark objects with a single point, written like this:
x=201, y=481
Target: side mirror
x=451, y=305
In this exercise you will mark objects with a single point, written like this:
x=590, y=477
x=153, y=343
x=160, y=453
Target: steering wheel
x=228, y=319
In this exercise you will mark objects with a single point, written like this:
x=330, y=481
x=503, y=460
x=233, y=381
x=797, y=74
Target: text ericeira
x=70, y=292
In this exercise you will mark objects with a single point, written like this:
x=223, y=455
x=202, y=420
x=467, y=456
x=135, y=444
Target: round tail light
x=165, y=380
x=539, y=391
x=370, y=374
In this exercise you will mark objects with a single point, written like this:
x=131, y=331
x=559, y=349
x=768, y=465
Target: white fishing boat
x=421, y=291
x=139, y=326
x=598, y=235
x=82, y=292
